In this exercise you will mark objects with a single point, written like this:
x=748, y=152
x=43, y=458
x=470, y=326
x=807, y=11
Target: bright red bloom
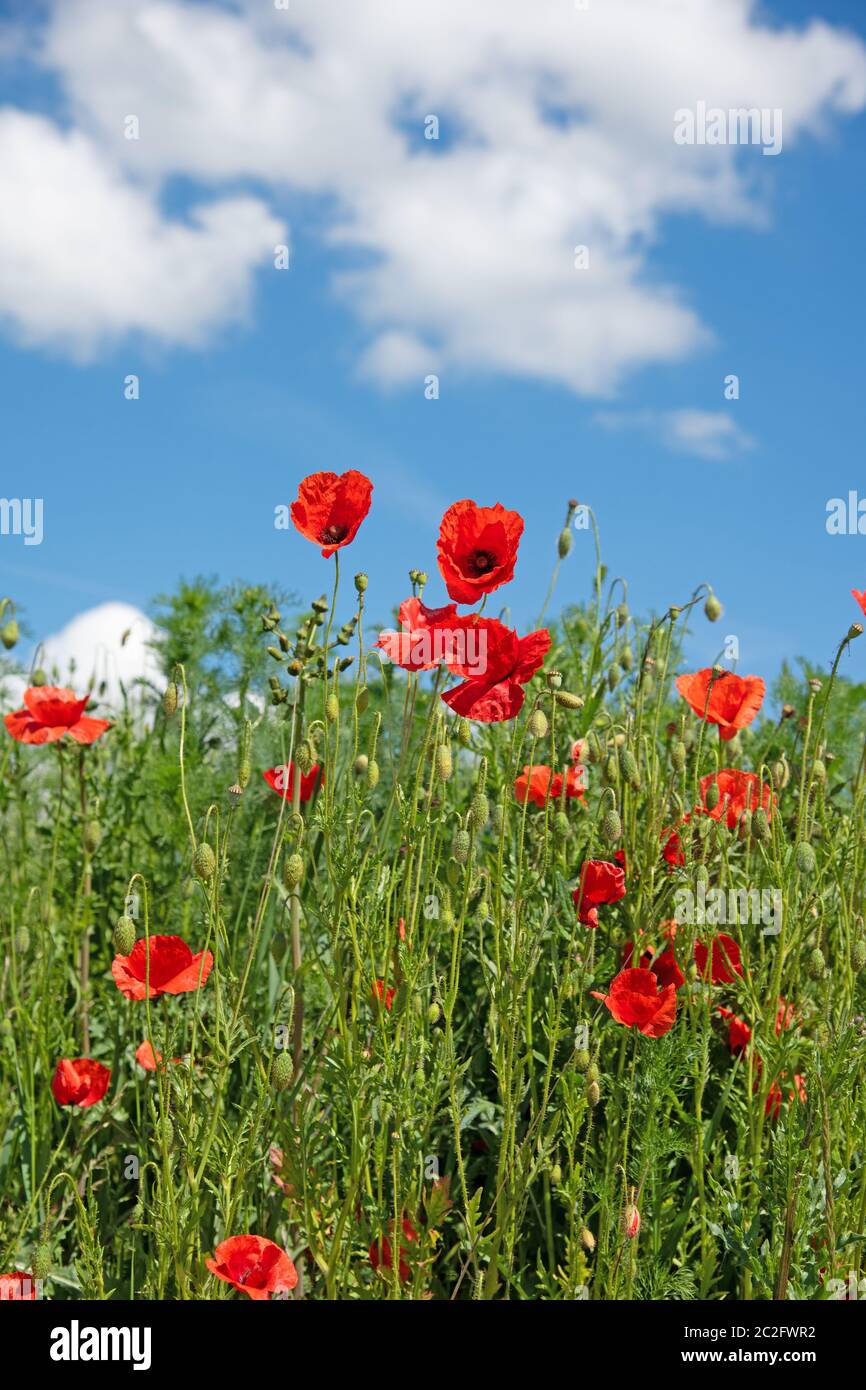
x=785, y=1016
x=738, y=792
x=330, y=507
x=502, y=665
x=477, y=549
x=739, y=1032
x=282, y=781
x=726, y=959
x=630, y=1221
x=663, y=964
x=79, y=1081
x=733, y=700
x=17, y=1287
x=173, y=968
x=600, y=883
x=380, y=1250
x=424, y=638
x=773, y=1103
x=147, y=1058
x=539, y=784
x=253, y=1264
x=50, y=712
x=384, y=994
x=636, y=1000
x=861, y=599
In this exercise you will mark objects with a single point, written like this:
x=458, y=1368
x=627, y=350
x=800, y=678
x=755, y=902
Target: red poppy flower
x=502, y=664
x=173, y=968
x=577, y=750
x=784, y=1016
x=861, y=599
x=147, y=1058
x=726, y=959
x=773, y=1103
x=738, y=792
x=380, y=1250
x=17, y=1287
x=636, y=1000
x=739, y=1032
x=600, y=883
x=330, y=507
x=663, y=964
x=477, y=549
x=673, y=853
x=50, y=712
x=79, y=1081
x=733, y=700
x=539, y=784
x=253, y=1264
x=282, y=781
x=384, y=994
x=423, y=639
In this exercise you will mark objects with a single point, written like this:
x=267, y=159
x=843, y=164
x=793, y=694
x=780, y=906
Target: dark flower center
x=332, y=535
x=482, y=562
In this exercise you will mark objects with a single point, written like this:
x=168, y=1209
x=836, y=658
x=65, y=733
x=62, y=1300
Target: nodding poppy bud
x=817, y=963
x=744, y=829
x=819, y=771
x=461, y=846
x=858, y=956
x=361, y=582
x=626, y=659
x=593, y=1094
x=433, y=1013
x=593, y=748
x=282, y=1071
x=92, y=836
x=712, y=607
x=614, y=675
x=761, y=824
x=556, y=1174
x=41, y=1266
x=692, y=972
x=279, y=946
x=444, y=762
x=362, y=699
x=781, y=774
x=712, y=796
x=537, y=724
x=275, y=653
x=592, y=1073
x=567, y=700
x=611, y=827
x=22, y=941
x=204, y=862
x=372, y=774
x=564, y=543
x=361, y=764
x=611, y=770
x=9, y=634
x=234, y=793
x=621, y=614
x=464, y=732
x=38, y=677
x=561, y=826
x=581, y=1059
x=630, y=1221
x=479, y=811
x=630, y=769
x=482, y=910
x=124, y=935
x=678, y=756
x=554, y=680
x=805, y=857
x=332, y=708
x=306, y=757
x=293, y=870
x=587, y=1239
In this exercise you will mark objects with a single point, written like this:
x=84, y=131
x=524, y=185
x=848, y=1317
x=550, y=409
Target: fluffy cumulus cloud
x=106, y=645
x=556, y=131
x=704, y=434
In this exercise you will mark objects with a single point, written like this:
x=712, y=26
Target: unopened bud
x=282, y=1071
x=293, y=871
x=567, y=700
x=204, y=862
x=444, y=762
x=611, y=827
x=372, y=774
x=805, y=858
x=565, y=542
x=124, y=935
x=332, y=708
x=712, y=607
x=538, y=723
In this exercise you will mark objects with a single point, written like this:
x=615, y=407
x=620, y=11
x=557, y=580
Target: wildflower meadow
x=386, y=952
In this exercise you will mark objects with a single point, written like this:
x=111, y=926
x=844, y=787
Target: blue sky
x=186, y=479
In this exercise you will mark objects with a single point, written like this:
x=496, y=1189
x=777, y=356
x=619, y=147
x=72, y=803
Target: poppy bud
x=482, y=910
x=9, y=634
x=805, y=857
x=124, y=935
x=678, y=756
x=593, y=1094
x=712, y=607
x=204, y=862
x=561, y=826
x=41, y=1266
x=630, y=769
x=444, y=763
x=362, y=699
x=781, y=774
x=587, y=1239
x=464, y=732
x=819, y=771
x=498, y=818
x=761, y=825
x=556, y=1174
x=630, y=1221
x=567, y=700
x=621, y=614
x=332, y=708
x=611, y=770
x=165, y=1132
x=538, y=723
x=244, y=773
x=372, y=774
x=92, y=836
x=744, y=829
x=433, y=1013
x=581, y=1059
x=306, y=757
x=626, y=659
x=713, y=794
x=461, y=846
x=611, y=827
x=234, y=793
x=593, y=748
x=858, y=956
x=279, y=946
x=479, y=811
x=282, y=1071
x=592, y=1073
x=362, y=762
x=614, y=675
x=564, y=543
x=39, y=677
x=293, y=870
x=320, y=605
x=361, y=582
x=817, y=964
x=692, y=972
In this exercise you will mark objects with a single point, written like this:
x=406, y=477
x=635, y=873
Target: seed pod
x=567, y=700
x=204, y=862
x=293, y=871
x=805, y=858
x=593, y=1094
x=41, y=1264
x=332, y=708
x=169, y=699
x=611, y=827
x=433, y=1013
x=234, y=793
x=479, y=811
x=361, y=582
x=362, y=699
x=282, y=1071
x=124, y=935
x=9, y=634
x=554, y=680
x=630, y=769
x=537, y=724
x=581, y=1059
x=712, y=607
x=858, y=956
x=678, y=755
x=92, y=836
x=817, y=964
x=361, y=763
x=587, y=1239
x=372, y=774
x=461, y=846
x=444, y=762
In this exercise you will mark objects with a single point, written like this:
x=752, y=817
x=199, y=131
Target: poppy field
x=385, y=951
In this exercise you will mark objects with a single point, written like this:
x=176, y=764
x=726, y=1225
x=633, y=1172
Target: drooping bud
x=712, y=796
x=581, y=1059
x=626, y=659
x=611, y=827
x=805, y=858
x=479, y=811
x=565, y=542
x=537, y=724
x=282, y=1071
x=858, y=956
x=41, y=1264
x=561, y=826
x=293, y=871
x=678, y=755
x=464, y=732
x=204, y=862
x=124, y=935
x=9, y=634
x=614, y=675
x=712, y=607
x=817, y=963
x=360, y=765
x=461, y=846
x=433, y=1013
x=362, y=700
x=630, y=1221
x=556, y=1174
x=92, y=836
x=587, y=1239
x=593, y=1094
x=592, y=1073
x=630, y=769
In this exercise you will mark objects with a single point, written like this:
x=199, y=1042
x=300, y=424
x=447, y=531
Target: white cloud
x=557, y=130
x=705, y=434
x=107, y=643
